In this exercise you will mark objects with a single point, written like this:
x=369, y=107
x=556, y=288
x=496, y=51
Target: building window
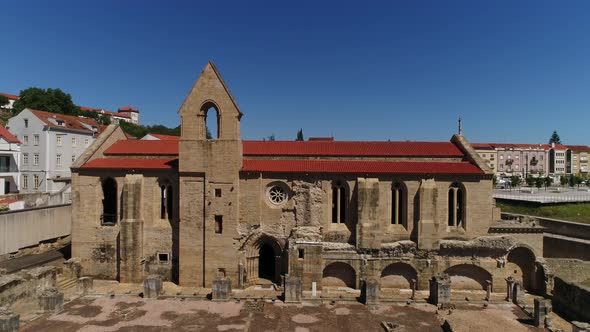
x=58, y=160
x=25, y=159
x=109, y=202
x=166, y=202
x=26, y=139
x=163, y=257
x=35, y=139
x=58, y=140
x=36, y=181
x=218, y=224
x=73, y=157
x=36, y=159
x=300, y=253
x=86, y=142
x=339, y=201
x=277, y=194
x=456, y=207
x=25, y=182
x=74, y=142
x=217, y=192
x=397, y=204
x=26, y=123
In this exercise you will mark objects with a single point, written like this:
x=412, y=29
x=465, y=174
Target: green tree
x=548, y=181
x=104, y=119
x=494, y=180
x=299, y=135
x=50, y=100
x=555, y=138
x=563, y=180
x=515, y=181
x=530, y=180
x=539, y=182
x=270, y=138
x=4, y=101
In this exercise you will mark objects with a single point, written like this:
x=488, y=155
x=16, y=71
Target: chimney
x=552, y=145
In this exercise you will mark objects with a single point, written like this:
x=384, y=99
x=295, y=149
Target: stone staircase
x=66, y=285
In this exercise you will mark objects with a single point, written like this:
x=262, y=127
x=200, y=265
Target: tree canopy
x=4, y=100
x=299, y=135
x=140, y=131
x=50, y=100
x=555, y=138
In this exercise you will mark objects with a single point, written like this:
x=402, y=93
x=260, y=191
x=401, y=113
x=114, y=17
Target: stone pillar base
x=85, y=285
x=221, y=290
x=9, y=322
x=51, y=300
x=293, y=289
x=440, y=289
x=370, y=291
x=152, y=286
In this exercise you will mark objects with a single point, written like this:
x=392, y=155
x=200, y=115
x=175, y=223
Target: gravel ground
x=136, y=314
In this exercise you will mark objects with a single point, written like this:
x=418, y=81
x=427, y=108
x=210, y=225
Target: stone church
x=332, y=213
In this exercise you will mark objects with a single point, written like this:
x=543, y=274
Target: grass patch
x=578, y=212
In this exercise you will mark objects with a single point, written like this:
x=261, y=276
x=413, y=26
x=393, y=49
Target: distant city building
x=159, y=137
x=131, y=112
x=579, y=160
x=9, y=162
x=51, y=142
x=11, y=100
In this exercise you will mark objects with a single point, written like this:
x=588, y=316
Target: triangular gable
x=111, y=134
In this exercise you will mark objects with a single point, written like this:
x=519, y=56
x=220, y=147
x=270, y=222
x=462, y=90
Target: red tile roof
x=315, y=139
x=70, y=121
x=101, y=111
x=165, y=137
x=128, y=109
x=9, y=96
x=143, y=147
x=9, y=200
x=131, y=163
x=579, y=148
x=342, y=148
x=8, y=136
x=357, y=166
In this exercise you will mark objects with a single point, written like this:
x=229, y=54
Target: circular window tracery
x=277, y=194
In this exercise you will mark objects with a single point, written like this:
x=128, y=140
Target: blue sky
x=373, y=70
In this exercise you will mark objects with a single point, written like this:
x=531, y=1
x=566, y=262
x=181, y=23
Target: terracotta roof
x=9, y=200
x=70, y=121
x=165, y=137
x=8, y=136
x=9, y=96
x=315, y=139
x=143, y=147
x=101, y=111
x=128, y=109
x=356, y=166
x=131, y=163
x=342, y=148
x=578, y=148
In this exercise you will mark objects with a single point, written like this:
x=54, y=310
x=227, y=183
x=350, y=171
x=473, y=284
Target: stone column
x=488, y=290
x=509, y=288
x=221, y=290
x=9, y=322
x=131, y=229
x=440, y=289
x=517, y=293
x=370, y=291
x=293, y=289
x=414, y=285
x=85, y=285
x=152, y=287
x=50, y=300
x=542, y=310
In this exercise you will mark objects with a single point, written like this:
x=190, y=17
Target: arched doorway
x=521, y=266
x=467, y=276
x=267, y=263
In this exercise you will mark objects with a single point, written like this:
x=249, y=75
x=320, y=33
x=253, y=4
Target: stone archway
x=398, y=275
x=468, y=276
x=339, y=274
x=521, y=266
x=264, y=259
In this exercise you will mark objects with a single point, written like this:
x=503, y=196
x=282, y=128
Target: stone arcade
x=322, y=213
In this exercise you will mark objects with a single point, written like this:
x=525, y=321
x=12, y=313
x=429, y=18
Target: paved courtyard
x=135, y=314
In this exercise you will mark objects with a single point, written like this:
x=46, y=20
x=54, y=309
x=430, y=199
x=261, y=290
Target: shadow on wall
x=467, y=276
x=339, y=274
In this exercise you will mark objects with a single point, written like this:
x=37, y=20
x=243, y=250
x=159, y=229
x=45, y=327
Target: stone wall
x=26, y=283
x=571, y=300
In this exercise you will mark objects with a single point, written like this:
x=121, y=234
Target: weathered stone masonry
x=323, y=212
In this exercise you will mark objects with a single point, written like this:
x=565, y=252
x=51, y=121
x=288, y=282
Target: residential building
x=131, y=112
x=50, y=143
x=579, y=159
x=488, y=153
x=160, y=137
x=11, y=100
x=10, y=154
x=560, y=161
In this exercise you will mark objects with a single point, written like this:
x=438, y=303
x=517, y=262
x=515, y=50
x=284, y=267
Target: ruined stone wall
x=26, y=283
x=571, y=300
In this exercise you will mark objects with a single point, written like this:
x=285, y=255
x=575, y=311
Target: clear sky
x=363, y=70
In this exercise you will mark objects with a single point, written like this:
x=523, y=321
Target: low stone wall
x=26, y=283
x=23, y=228
x=571, y=300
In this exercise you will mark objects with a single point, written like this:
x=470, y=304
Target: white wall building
x=10, y=156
